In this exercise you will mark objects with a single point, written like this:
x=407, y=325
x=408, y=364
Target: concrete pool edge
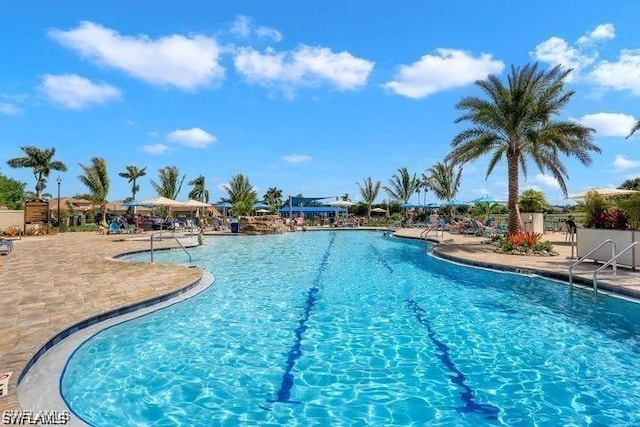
x=39, y=386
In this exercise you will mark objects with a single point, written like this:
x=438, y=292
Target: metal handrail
x=606, y=264
x=438, y=227
x=176, y=239
x=601, y=244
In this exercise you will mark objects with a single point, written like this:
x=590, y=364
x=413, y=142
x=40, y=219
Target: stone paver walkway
x=476, y=251
x=50, y=283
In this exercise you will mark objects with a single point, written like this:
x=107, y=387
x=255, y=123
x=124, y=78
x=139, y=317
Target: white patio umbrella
x=341, y=204
x=602, y=192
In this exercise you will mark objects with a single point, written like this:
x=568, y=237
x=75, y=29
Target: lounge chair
x=7, y=245
x=114, y=228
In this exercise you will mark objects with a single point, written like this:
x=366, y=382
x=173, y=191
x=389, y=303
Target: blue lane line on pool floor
x=382, y=260
x=284, y=393
x=490, y=412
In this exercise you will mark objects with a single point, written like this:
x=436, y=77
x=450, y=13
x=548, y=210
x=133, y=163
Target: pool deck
x=50, y=283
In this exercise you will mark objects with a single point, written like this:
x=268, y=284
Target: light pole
x=58, y=181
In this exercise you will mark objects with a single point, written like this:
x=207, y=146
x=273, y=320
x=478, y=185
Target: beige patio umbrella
x=603, y=192
x=162, y=201
x=198, y=204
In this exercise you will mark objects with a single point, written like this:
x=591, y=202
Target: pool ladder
x=176, y=239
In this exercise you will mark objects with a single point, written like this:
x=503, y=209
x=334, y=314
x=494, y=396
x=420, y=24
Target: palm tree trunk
x=514, y=212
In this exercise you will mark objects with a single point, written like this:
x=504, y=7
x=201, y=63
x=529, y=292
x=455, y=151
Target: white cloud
x=557, y=51
x=194, y=137
x=621, y=162
x=75, y=92
x=447, y=69
x=546, y=181
x=244, y=27
x=241, y=27
x=175, y=60
x=156, y=148
x=270, y=33
x=297, y=158
x=601, y=32
x=621, y=75
x=304, y=67
x=9, y=109
x=609, y=124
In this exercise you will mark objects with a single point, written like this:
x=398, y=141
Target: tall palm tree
x=424, y=182
x=41, y=163
x=518, y=122
x=402, y=185
x=241, y=194
x=444, y=181
x=369, y=191
x=273, y=197
x=132, y=174
x=170, y=182
x=96, y=179
x=199, y=191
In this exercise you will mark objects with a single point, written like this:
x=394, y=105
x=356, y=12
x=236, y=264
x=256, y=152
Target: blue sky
x=307, y=96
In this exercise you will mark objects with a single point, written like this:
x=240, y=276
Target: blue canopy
x=260, y=205
x=454, y=203
x=487, y=199
x=224, y=205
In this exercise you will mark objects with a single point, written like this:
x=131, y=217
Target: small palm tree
x=369, y=191
x=41, y=163
x=96, y=178
x=170, y=182
x=273, y=197
x=517, y=122
x=132, y=174
x=241, y=194
x=199, y=191
x=444, y=181
x=402, y=185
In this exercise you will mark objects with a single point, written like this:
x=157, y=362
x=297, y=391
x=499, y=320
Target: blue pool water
x=352, y=328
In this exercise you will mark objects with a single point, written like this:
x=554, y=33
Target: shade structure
x=262, y=211
x=340, y=204
x=224, y=205
x=379, y=210
x=432, y=205
x=603, y=192
x=196, y=204
x=162, y=201
x=410, y=206
x=260, y=205
x=487, y=199
x=454, y=203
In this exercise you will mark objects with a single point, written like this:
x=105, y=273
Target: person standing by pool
x=571, y=225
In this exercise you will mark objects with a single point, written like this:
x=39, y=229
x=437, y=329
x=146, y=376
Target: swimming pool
x=353, y=328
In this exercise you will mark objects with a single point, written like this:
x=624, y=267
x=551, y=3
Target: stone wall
x=266, y=224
